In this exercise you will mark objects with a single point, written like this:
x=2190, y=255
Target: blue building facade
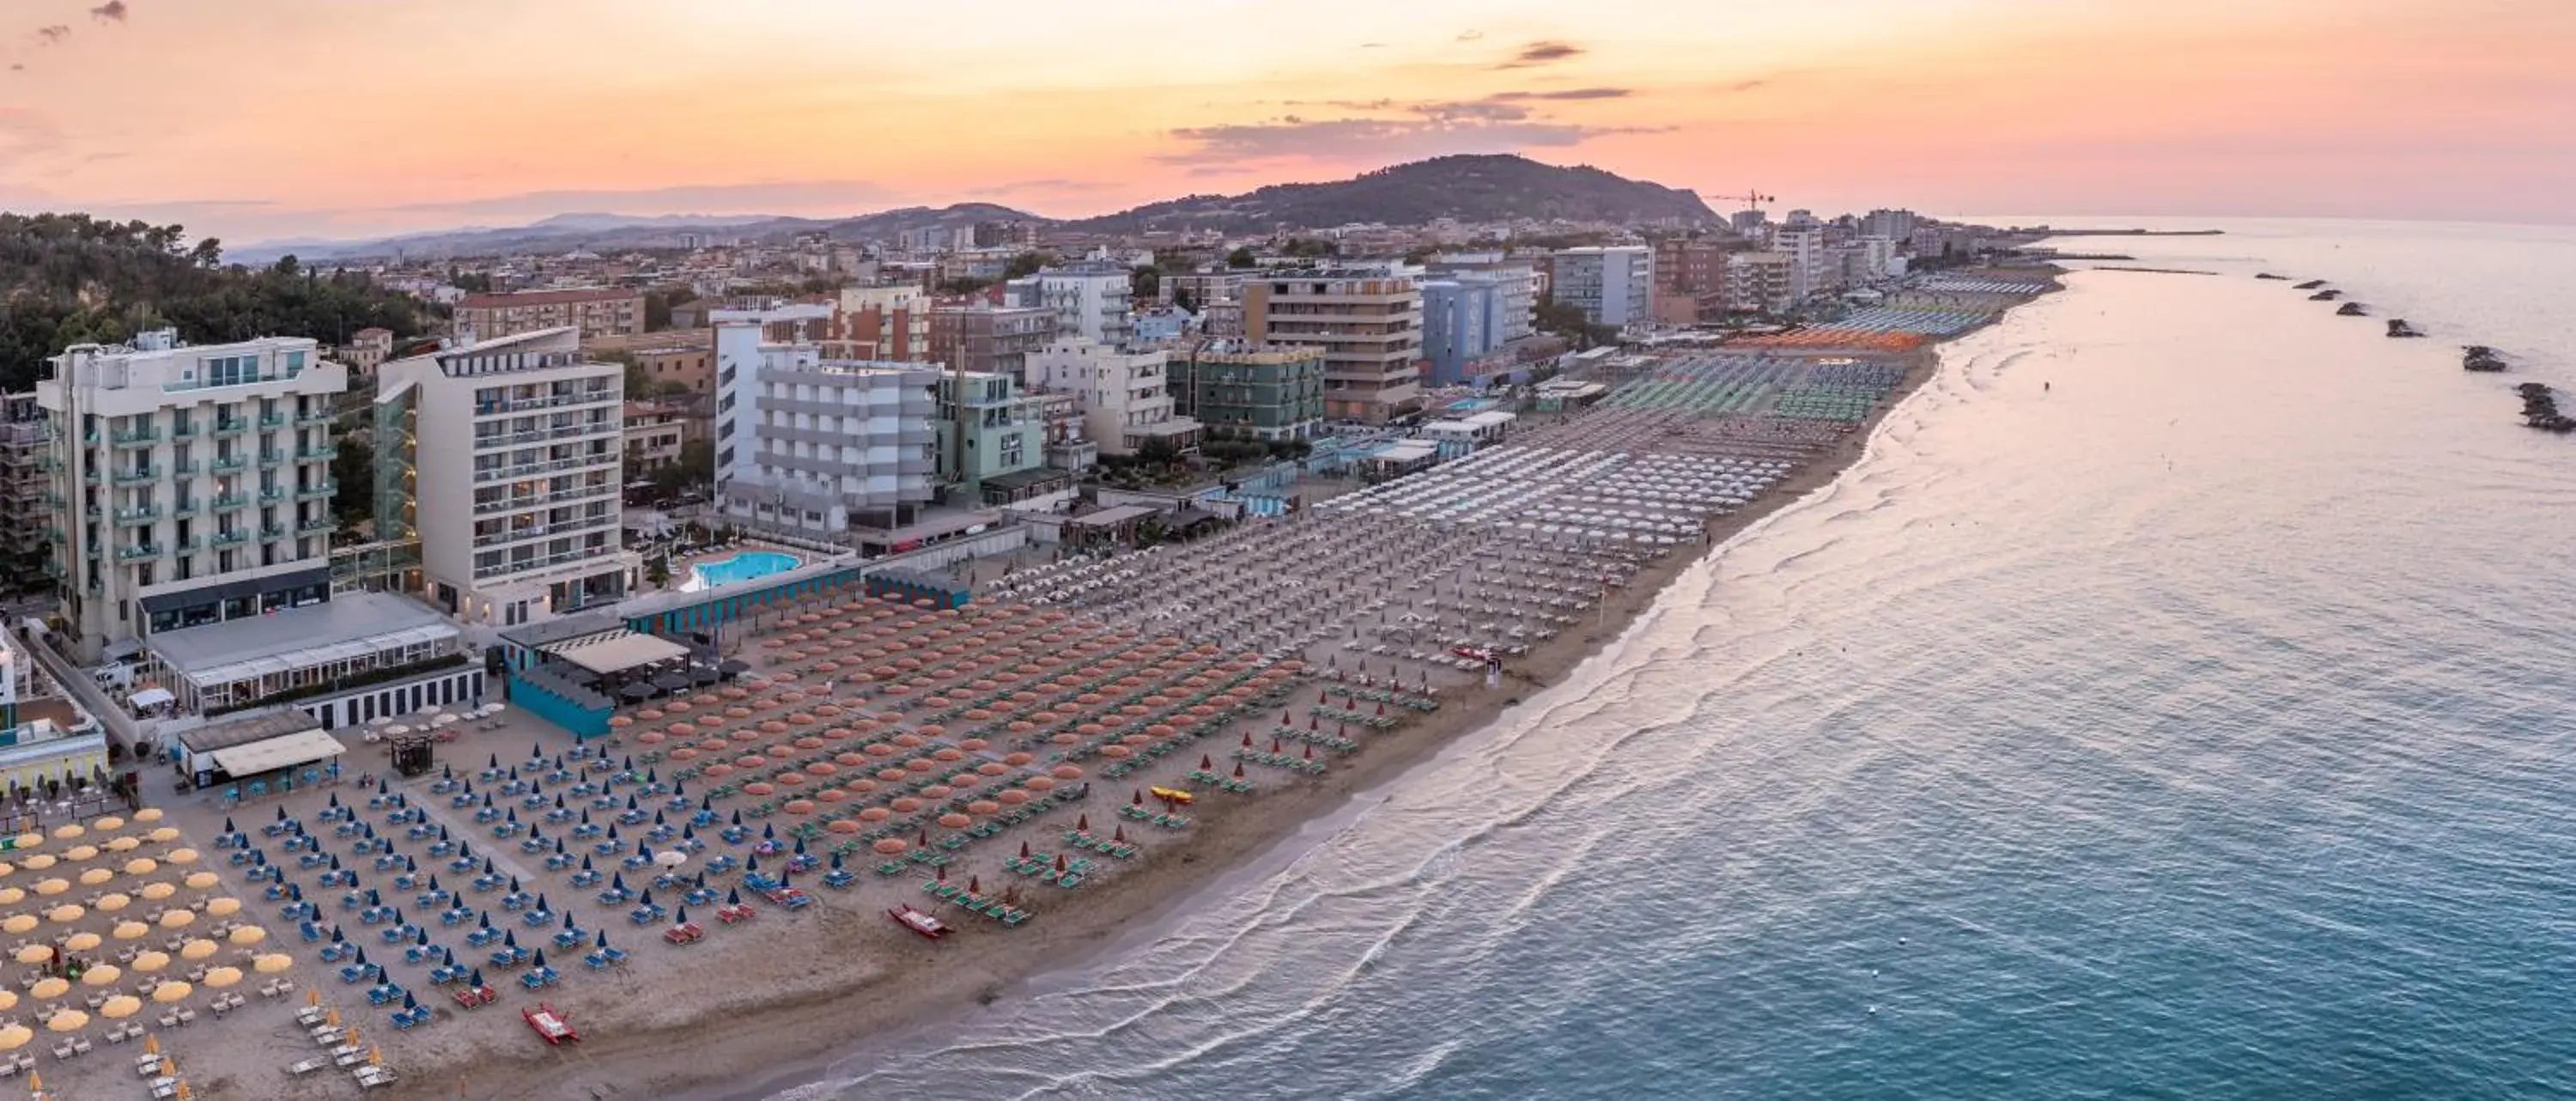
x=1462, y=321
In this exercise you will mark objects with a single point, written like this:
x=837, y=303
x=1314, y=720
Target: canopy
x=284, y=751
x=617, y=651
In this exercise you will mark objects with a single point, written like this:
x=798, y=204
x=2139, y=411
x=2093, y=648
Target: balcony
x=184, y=470
x=272, y=458
x=138, y=552
x=132, y=475
x=568, y=527
x=191, y=543
x=317, y=454
x=309, y=420
x=511, y=504
x=140, y=438
x=230, y=502
x=513, y=473
x=230, y=428
x=273, y=420
x=231, y=538
x=230, y=465
x=274, y=531
x=186, y=508
x=317, y=524
x=323, y=489
x=184, y=432
x=551, y=401
x=144, y=515
x=272, y=495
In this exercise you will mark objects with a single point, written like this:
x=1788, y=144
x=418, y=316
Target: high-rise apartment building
x=191, y=485
x=990, y=339
x=1758, y=282
x=1273, y=392
x=1368, y=320
x=1614, y=285
x=26, y=480
x=1895, y=225
x=1126, y=396
x=812, y=447
x=1805, y=249
x=596, y=312
x=1516, y=282
x=880, y=323
x=513, y=452
x=1093, y=300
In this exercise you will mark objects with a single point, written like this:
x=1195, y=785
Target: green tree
x=1027, y=264
x=963, y=285
x=672, y=389
x=353, y=472
x=657, y=312
x=1182, y=298
x=657, y=571
x=1146, y=282
x=1242, y=257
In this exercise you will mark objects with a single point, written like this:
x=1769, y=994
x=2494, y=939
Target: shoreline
x=894, y=986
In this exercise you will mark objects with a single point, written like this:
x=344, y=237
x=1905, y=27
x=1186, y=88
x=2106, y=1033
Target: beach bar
x=258, y=752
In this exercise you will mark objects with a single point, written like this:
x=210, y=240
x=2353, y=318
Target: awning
x=617, y=651
x=152, y=697
x=286, y=751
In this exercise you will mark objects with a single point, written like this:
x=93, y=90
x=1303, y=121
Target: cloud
x=1567, y=94
x=764, y=197
x=111, y=12
x=1471, y=34
x=1373, y=140
x=1544, y=52
x=49, y=35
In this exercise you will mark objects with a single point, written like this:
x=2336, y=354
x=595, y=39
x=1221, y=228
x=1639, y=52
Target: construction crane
x=1752, y=200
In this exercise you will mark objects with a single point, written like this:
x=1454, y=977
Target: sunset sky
x=265, y=119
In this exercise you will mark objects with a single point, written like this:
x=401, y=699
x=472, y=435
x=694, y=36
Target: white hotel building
x=190, y=485
x=809, y=446
x=508, y=453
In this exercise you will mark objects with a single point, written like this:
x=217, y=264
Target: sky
x=260, y=120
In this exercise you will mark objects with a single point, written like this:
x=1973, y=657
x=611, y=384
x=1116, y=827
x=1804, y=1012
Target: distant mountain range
x=1467, y=188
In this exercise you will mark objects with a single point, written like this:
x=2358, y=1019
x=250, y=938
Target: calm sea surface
x=2201, y=725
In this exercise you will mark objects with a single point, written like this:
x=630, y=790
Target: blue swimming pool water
x=739, y=568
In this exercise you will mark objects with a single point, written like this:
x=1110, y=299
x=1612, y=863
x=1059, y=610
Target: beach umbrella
x=35, y=953
x=15, y=1036
x=476, y=979
x=81, y=942
x=147, y=962
x=104, y=974
x=69, y=1020
x=222, y=977
x=272, y=963
x=196, y=950
x=247, y=935
x=172, y=992
x=19, y=923
x=510, y=940
x=49, y=988
x=114, y=901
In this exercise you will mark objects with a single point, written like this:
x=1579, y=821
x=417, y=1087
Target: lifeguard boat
x=918, y=922
x=550, y=1025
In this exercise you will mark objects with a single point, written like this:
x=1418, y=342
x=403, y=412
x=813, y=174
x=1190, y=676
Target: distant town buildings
x=1093, y=300
x=1805, y=248
x=989, y=339
x=880, y=323
x=513, y=448
x=192, y=484
x=601, y=312
x=1125, y=396
x=366, y=350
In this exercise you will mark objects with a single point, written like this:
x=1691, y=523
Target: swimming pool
x=739, y=568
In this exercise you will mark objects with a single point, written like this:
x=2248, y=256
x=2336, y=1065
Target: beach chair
x=298, y=1069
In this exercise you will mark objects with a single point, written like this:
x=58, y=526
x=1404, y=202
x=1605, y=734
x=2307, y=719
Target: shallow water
x=2175, y=703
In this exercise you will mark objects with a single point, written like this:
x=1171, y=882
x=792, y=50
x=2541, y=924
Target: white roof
x=150, y=697
x=616, y=651
x=284, y=751
x=353, y=625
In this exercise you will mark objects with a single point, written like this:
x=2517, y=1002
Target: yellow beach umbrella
x=36, y=862
x=109, y=824
x=313, y=997
x=35, y=1084
x=7, y=868
x=150, y=961
x=35, y=953
x=69, y=1020
x=267, y=964
x=66, y=913
x=198, y=881
x=18, y=923
x=181, y=856
x=93, y=877
x=30, y=840
x=222, y=977
x=123, y=844
x=141, y=865
x=81, y=853
x=8, y=999
x=49, y=987
x=155, y=892
x=53, y=886
x=330, y=1016
x=70, y=830
x=148, y=814
x=223, y=907
x=11, y=896
x=130, y=930
x=104, y=974
x=248, y=935
x=168, y=1067
x=375, y=1058
x=120, y=1007
x=113, y=901
x=163, y=836
x=172, y=991
x=80, y=942
x=177, y=919
x=14, y=1037
x=196, y=950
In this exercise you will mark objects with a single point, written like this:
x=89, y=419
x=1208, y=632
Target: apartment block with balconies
x=1368, y=321
x=512, y=451
x=811, y=447
x=188, y=485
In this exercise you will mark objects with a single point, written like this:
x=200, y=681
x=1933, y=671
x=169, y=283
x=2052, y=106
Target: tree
x=657, y=312
x=472, y=282
x=1027, y=264
x=694, y=469
x=963, y=285
x=1311, y=248
x=353, y=472
x=1146, y=282
x=657, y=571
x=672, y=389
x=638, y=381
x=1182, y=298
x=1242, y=257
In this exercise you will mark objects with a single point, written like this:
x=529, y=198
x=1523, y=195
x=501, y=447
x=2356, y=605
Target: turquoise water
x=2175, y=703
x=741, y=567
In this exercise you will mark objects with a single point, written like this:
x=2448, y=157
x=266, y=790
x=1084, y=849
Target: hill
x=1468, y=188
x=70, y=279
x=607, y=233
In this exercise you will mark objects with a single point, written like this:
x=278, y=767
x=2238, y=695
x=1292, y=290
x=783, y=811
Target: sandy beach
x=765, y=1005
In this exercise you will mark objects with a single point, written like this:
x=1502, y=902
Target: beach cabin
x=1463, y=436
x=259, y=752
x=911, y=586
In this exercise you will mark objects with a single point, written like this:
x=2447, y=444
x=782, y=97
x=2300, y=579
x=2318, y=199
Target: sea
x=2177, y=701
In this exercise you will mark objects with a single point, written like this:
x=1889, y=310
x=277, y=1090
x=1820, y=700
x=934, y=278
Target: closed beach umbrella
x=171, y=992
x=120, y=1007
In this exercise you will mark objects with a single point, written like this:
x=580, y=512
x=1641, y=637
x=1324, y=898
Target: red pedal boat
x=550, y=1025
x=918, y=922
